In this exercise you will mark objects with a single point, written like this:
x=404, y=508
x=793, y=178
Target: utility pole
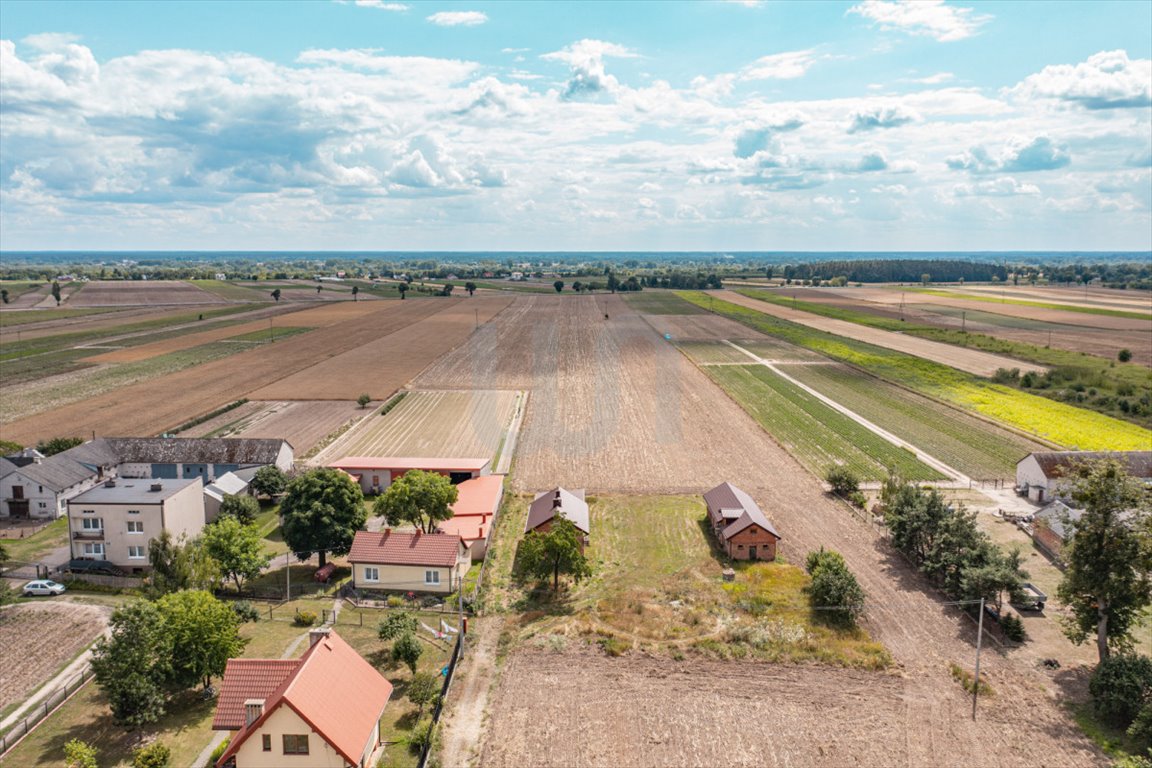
x=271, y=333
x=460, y=617
x=287, y=576
x=979, y=638
x=963, y=322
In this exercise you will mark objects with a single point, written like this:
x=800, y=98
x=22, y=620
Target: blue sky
x=379, y=124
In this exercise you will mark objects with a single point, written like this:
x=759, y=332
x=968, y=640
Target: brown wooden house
x=740, y=526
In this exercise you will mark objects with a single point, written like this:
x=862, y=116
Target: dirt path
x=462, y=725
x=970, y=360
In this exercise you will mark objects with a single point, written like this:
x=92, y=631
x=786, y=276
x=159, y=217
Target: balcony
x=90, y=535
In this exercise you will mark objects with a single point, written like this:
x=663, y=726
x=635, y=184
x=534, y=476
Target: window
x=92, y=524
x=43, y=505
x=371, y=574
x=94, y=550
x=135, y=526
x=133, y=511
x=295, y=744
x=432, y=577
x=136, y=553
x=267, y=742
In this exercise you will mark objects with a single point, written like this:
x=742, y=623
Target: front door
x=752, y=552
x=17, y=491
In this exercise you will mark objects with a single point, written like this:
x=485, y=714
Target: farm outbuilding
x=742, y=529
x=1040, y=475
x=375, y=474
x=477, y=503
x=559, y=502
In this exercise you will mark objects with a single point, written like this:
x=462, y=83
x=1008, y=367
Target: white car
x=43, y=587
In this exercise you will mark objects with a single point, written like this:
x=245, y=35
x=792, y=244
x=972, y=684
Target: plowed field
x=614, y=407
x=138, y=293
x=304, y=423
x=58, y=631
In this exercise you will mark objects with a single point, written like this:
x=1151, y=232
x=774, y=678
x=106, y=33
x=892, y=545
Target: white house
x=1039, y=475
x=35, y=486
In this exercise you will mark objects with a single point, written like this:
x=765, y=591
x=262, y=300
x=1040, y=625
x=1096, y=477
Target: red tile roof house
x=474, y=511
x=323, y=709
x=742, y=529
x=408, y=562
x=559, y=501
x=375, y=473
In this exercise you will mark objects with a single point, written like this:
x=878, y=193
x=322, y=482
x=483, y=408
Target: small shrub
x=1124, y=355
x=1013, y=627
x=305, y=618
x=422, y=736
x=612, y=645
x=1120, y=686
x=407, y=650
x=79, y=754
x=843, y=481
x=858, y=500
x=216, y=753
x=155, y=755
x=394, y=601
x=246, y=611
x=964, y=677
x=396, y=624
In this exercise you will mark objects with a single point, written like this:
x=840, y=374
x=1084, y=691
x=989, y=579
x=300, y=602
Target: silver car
x=43, y=587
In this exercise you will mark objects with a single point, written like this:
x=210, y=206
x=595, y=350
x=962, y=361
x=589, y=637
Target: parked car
x=43, y=587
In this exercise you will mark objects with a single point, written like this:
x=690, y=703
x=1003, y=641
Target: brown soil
x=136, y=293
x=40, y=638
x=972, y=361
x=303, y=423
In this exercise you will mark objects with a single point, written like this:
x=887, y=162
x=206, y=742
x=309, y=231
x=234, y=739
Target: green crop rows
x=966, y=443
x=818, y=436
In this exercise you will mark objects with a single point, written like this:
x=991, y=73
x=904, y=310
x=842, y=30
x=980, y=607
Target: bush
x=1120, y=686
x=216, y=753
x=821, y=557
x=243, y=508
x=422, y=736
x=304, y=618
x=1012, y=627
x=79, y=754
x=395, y=601
x=407, y=650
x=246, y=611
x=843, y=481
x=858, y=500
x=155, y=755
x=396, y=624
x=835, y=591
x=1124, y=355
x=1141, y=729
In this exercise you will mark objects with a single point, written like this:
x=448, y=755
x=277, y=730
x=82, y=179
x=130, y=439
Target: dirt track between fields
x=614, y=407
x=969, y=360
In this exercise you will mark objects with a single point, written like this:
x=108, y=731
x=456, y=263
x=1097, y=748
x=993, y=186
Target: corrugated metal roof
x=57, y=473
x=570, y=504
x=97, y=453
x=396, y=548
x=1054, y=464
x=196, y=450
x=248, y=679
x=334, y=690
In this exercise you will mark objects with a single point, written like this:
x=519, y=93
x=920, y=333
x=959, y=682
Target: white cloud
x=937, y=79
x=1019, y=155
x=1107, y=80
x=780, y=66
x=458, y=18
x=380, y=5
x=881, y=116
x=744, y=3
x=589, y=78
x=929, y=18
x=429, y=70
x=1005, y=186
x=514, y=50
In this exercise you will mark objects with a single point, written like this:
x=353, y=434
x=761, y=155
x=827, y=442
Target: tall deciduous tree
x=56, y=292
x=237, y=548
x=558, y=285
x=276, y=294
x=269, y=481
x=470, y=287
x=204, y=633
x=544, y=555
x=403, y=288
x=407, y=650
x=132, y=665
x=241, y=507
x=418, y=498
x=1108, y=581
x=179, y=564
x=321, y=512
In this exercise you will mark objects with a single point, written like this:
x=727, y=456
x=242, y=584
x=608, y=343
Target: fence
x=451, y=671
x=42, y=710
x=100, y=579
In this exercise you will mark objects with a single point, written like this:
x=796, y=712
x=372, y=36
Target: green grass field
x=10, y=318
x=819, y=436
x=657, y=302
x=972, y=446
x=1060, y=423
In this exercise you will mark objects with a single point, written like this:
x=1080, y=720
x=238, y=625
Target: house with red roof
x=323, y=709
x=408, y=562
x=477, y=501
x=742, y=529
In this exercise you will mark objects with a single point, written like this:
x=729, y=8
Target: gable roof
x=57, y=473
x=334, y=690
x=570, y=504
x=727, y=502
x=248, y=679
x=748, y=518
x=228, y=484
x=394, y=548
x=95, y=453
x=196, y=450
x=6, y=467
x=1055, y=463
x=410, y=462
x=1059, y=518
x=478, y=496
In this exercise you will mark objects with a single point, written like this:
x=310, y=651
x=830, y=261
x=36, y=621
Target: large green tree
x=544, y=555
x=240, y=507
x=1108, y=581
x=204, y=633
x=237, y=548
x=179, y=564
x=417, y=498
x=132, y=665
x=321, y=512
x=269, y=481
x=58, y=445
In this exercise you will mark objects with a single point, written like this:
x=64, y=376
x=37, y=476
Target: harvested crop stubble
x=388, y=362
x=104, y=293
x=152, y=406
x=303, y=423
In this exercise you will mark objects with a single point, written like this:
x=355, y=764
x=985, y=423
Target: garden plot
x=40, y=639
x=448, y=424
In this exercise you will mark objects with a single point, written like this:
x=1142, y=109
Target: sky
x=699, y=125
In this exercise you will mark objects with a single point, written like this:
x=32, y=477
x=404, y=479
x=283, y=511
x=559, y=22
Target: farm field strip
x=302, y=423
x=446, y=423
x=661, y=303
x=1059, y=423
x=1064, y=305
x=149, y=407
x=817, y=434
x=967, y=360
x=118, y=293
x=235, y=331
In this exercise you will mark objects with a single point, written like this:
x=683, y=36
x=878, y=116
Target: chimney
x=156, y=487
x=110, y=484
x=316, y=635
x=253, y=708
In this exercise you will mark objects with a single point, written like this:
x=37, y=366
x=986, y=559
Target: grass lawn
x=657, y=587
x=32, y=548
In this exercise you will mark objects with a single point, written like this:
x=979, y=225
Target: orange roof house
x=402, y=562
x=475, y=509
x=323, y=709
